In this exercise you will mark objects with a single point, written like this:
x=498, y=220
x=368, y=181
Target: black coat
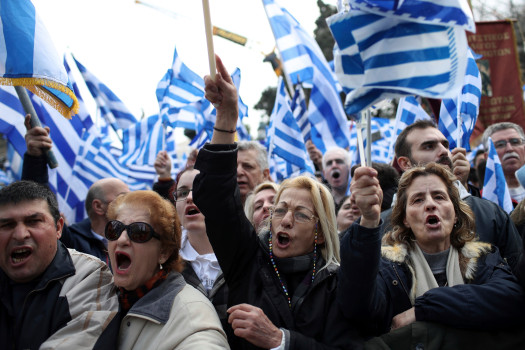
x=380, y=279
x=314, y=323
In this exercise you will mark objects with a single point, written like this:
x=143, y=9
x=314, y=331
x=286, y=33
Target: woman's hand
x=222, y=93
x=404, y=319
x=250, y=322
x=368, y=195
x=162, y=165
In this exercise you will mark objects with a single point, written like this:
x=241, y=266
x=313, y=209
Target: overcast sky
x=129, y=46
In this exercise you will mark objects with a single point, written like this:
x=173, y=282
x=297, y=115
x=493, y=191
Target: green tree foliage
x=267, y=100
x=322, y=33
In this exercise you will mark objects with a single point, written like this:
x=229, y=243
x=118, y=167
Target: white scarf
x=424, y=278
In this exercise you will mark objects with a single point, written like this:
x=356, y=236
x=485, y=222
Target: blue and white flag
x=111, y=107
x=142, y=141
x=28, y=57
x=379, y=57
x=284, y=136
x=96, y=161
x=495, y=187
x=467, y=114
x=66, y=139
x=408, y=111
x=181, y=100
x=300, y=113
x=305, y=63
x=443, y=12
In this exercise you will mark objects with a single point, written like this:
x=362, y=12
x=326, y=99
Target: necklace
x=270, y=246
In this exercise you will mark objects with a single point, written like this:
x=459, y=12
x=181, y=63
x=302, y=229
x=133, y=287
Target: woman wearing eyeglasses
x=158, y=308
x=282, y=288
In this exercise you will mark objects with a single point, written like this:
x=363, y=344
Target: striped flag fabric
x=451, y=116
x=300, y=113
x=304, y=63
x=142, y=141
x=181, y=101
x=445, y=12
x=379, y=57
x=285, y=138
x=495, y=187
x=66, y=139
x=111, y=108
x=28, y=57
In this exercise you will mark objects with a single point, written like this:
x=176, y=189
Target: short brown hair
x=164, y=220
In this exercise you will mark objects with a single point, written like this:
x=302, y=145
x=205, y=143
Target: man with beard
x=421, y=143
x=336, y=168
x=509, y=140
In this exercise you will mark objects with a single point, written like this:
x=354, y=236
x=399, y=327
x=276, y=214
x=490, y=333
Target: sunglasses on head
x=139, y=232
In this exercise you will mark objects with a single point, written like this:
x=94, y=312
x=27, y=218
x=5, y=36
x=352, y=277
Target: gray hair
x=346, y=155
x=498, y=127
x=262, y=155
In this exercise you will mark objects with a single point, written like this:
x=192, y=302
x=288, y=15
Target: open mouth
x=123, y=261
x=432, y=220
x=283, y=240
x=193, y=211
x=336, y=174
x=19, y=255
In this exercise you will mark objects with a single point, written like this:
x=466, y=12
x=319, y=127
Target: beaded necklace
x=270, y=246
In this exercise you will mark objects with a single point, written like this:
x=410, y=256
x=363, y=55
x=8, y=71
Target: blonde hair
x=163, y=217
x=248, y=205
x=324, y=210
x=463, y=230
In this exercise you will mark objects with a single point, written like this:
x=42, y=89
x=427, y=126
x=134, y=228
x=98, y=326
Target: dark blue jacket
x=373, y=289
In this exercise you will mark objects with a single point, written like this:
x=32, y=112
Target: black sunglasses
x=139, y=232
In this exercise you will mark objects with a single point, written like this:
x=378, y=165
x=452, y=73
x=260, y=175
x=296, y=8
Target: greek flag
x=142, y=141
x=181, y=100
x=111, y=107
x=381, y=130
x=28, y=57
x=495, y=187
x=300, y=113
x=96, y=160
x=304, y=63
x=284, y=136
x=450, y=116
x=443, y=12
x=379, y=57
x=408, y=111
x=66, y=139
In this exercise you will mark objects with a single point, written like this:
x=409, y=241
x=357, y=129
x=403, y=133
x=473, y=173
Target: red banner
x=502, y=97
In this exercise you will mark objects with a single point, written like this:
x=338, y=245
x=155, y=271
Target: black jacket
x=314, y=323
x=376, y=282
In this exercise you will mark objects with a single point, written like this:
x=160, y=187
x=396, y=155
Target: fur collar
x=468, y=256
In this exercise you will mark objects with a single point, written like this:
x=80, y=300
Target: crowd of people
x=222, y=257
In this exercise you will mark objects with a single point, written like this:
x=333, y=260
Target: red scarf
x=128, y=298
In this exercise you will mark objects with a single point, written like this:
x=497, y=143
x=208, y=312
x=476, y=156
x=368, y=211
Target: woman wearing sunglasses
x=282, y=288
x=158, y=308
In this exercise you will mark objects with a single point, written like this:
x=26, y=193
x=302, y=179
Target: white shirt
x=517, y=193
x=205, y=266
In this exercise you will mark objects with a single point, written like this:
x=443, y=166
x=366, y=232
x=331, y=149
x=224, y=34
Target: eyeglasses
x=181, y=194
x=513, y=142
x=301, y=215
x=139, y=232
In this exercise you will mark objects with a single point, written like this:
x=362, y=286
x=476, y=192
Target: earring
x=160, y=266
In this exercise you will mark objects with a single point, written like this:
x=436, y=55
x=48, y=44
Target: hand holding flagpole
x=209, y=37
x=23, y=96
